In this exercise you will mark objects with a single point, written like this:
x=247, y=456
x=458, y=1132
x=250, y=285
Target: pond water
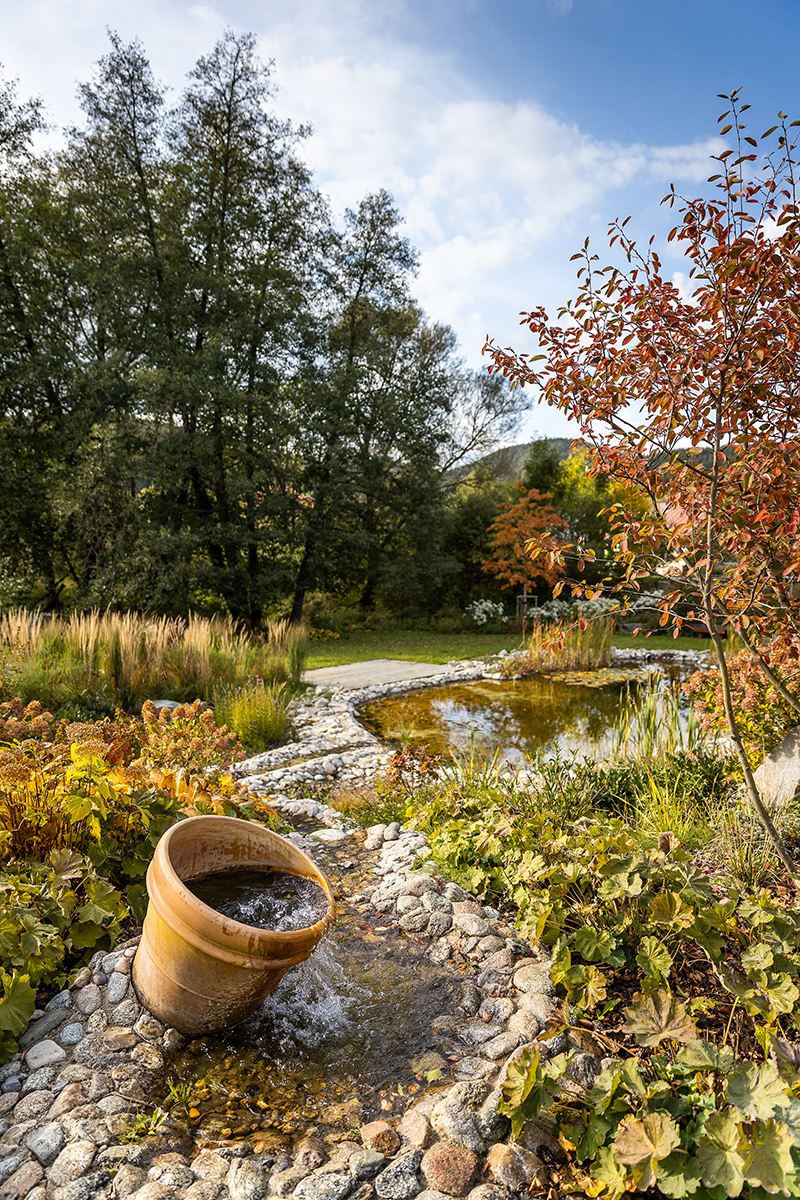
x=574, y=712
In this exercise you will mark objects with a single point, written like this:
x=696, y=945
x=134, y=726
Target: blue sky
x=507, y=130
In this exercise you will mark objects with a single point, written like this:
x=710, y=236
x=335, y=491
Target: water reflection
x=519, y=717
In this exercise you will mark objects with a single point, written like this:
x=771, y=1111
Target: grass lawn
x=412, y=644
x=422, y=646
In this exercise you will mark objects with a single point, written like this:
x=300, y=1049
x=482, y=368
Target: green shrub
x=255, y=711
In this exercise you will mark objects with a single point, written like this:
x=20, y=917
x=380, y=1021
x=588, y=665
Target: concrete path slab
x=375, y=670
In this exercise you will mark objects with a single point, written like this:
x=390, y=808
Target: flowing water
x=340, y=1041
x=271, y=899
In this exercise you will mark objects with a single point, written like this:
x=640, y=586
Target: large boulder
x=778, y=776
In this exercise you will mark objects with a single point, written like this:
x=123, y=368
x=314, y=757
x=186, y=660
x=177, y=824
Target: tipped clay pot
x=200, y=971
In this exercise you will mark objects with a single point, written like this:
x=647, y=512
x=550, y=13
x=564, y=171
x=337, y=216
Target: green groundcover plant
x=82, y=807
x=689, y=1120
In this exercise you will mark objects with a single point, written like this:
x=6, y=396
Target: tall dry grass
x=93, y=662
x=565, y=646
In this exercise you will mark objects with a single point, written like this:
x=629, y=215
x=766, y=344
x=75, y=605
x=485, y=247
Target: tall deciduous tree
x=694, y=401
x=223, y=245
x=528, y=517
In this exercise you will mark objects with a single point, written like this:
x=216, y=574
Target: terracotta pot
x=200, y=971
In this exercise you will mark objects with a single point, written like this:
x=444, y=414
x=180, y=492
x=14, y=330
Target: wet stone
x=475, y=1033
x=379, y=1135
x=173, y=1041
x=440, y=924
x=324, y=1187
x=440, y=951
x=210, y=1165
x=147, y=1056
x=450, y=1169
x=500, y=1046
x=365, y=1164
x=414, y=922
x=283, y=1183
x=492, y=945
x=400, y=1180
x=172, y=1175
x=470, y=1000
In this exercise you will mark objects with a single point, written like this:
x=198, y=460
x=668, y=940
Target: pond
x=574, y=711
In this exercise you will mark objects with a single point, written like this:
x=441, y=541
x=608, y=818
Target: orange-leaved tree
x=692, y=398
x=520, y=521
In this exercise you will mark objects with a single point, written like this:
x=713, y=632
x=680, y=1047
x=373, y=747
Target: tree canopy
x=210, y=394
x=691, y=398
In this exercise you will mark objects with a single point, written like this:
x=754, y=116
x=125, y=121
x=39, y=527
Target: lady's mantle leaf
x=767, y=1150
x=756, y=1090
x=17, y=1003
x=658, y=1018
x=718, y=1153
x=641, y=1144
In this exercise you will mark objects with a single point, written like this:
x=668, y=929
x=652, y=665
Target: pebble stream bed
x=402, y=1105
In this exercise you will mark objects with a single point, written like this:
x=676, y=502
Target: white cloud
x=495, y=195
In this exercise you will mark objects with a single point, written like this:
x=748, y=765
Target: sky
x=507, y=131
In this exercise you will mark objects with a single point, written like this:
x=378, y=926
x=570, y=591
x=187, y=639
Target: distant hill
x=506, y=465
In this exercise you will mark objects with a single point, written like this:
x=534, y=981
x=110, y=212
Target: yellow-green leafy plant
x=686, y=1120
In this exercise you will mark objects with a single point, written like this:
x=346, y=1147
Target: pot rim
x=232, y=926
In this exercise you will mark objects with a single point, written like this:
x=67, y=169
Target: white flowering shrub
x=485, y=612
x=570, y=610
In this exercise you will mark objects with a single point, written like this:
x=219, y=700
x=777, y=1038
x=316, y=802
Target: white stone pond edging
x=87, y=1061
x=332, y=744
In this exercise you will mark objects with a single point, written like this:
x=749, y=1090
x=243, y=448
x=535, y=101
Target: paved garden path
x=375, y=670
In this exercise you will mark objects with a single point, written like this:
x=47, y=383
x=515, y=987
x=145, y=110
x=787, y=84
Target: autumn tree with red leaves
x=694, y=402
x=519, y=522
